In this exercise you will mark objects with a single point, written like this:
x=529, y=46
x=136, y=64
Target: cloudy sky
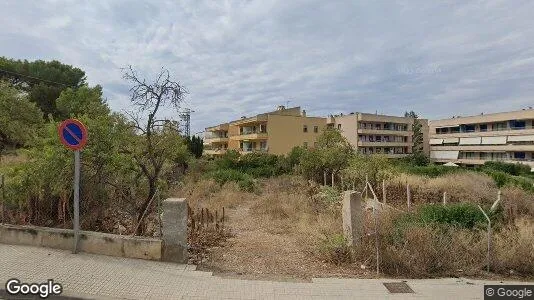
x=439, y=58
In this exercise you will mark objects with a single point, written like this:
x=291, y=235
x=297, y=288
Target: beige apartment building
x=275, y=132
x=374, y=133
x=473, y=140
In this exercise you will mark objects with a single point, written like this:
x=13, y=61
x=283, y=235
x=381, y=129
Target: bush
x=222, y=176
x=415, y=159
x=429, y=171
x=335, y=249
x=255, y=164
x=503, y=179
x=508, y=168
x=464, y=215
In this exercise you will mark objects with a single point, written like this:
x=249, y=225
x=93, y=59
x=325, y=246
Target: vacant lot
x=290, y=229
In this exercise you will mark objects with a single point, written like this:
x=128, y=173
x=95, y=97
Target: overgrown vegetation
x=125, y=163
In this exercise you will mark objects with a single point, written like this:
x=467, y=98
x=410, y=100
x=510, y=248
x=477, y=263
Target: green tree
x=82, y=101
x=375, y=167
x=43, y=81
x=20, y=120
x=195, y=145
x=331, y=154
x=417, y=127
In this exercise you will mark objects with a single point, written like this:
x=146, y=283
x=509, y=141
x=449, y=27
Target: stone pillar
x=174, y=230
x=352, y=217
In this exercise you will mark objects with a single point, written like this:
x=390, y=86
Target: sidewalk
x=103, y=277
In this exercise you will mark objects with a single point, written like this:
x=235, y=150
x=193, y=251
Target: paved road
x=103, y=277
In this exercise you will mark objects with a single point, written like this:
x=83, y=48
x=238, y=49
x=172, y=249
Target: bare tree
x=152, y=153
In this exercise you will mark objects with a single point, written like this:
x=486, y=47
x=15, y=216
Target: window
x=499, y=126
x=442, y=130
x=483, y=127
x=469, y=128
x=305, y=128
x=519, y=155
x=305, y=145
x=515, y=124
x=339, y=126
x=315, y=129
x=455, y=129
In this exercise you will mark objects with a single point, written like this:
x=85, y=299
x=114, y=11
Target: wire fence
x=378, y=217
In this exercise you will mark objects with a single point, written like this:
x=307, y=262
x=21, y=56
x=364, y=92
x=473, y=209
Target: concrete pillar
x=174, y=230
x=352, y=217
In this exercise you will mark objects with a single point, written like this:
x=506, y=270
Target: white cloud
x=243, y=57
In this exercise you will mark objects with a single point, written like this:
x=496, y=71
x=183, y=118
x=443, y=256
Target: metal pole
x=384, y=191
x=76, y=224
x=366, y=183
x=408, y=196
x=489, y=237
x=3, y=183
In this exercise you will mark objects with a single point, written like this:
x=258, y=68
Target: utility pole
x=186, y=118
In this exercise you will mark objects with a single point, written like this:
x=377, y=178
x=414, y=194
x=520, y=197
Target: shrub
x=222, y=176
x=464, y=215
x=508, y=168
x=335, y=249
x=415, y=159
x=429, y=171
x=329, y=195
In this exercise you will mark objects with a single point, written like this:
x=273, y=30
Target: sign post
x=73, y=135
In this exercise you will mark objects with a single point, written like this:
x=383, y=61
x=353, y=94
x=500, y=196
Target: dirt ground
x=255, y=252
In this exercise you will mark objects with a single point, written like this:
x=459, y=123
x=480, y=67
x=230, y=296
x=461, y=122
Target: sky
x=238, y=58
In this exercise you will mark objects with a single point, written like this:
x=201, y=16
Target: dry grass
x=460, y=187
x=291, y=228
x=420, y=251
x=206, y=193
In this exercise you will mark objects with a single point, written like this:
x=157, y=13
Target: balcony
x=257, y=135
x=214, y=151
x=384, y=132
x=247, y=150
x=383, y=144
x=214, y=140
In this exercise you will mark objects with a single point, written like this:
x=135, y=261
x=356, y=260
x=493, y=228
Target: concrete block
x=174, y=230
x=89, y=242
x=143, y=248
x=352, y=217
x=19, y=235
x=56, y=238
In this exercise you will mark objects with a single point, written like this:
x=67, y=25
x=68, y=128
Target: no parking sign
x=73, y=134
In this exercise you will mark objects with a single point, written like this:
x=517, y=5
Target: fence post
x=324, y=178
x=384, y=191
x=494, y=206
x=489, y=237
x=408, y=196
x=444, y=198
x=333, y=178
x=366, y=183
x=174, y=230
x=2, y=185
x=352, y=217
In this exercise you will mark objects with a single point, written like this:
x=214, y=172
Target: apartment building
x=374, y=133
x=275, y=132
x=473, y=140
